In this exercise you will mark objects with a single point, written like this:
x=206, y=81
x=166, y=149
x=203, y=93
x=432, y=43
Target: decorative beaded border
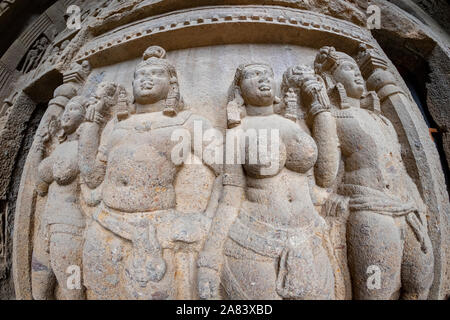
x=221, y=15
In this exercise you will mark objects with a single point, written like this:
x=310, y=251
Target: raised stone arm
x=91, y=169
x=320, y=119
x=91, y=155
x=44, y=172
x=323, y=128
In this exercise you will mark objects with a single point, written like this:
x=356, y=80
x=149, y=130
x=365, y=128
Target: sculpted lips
x=147, y=85
x=264, y=87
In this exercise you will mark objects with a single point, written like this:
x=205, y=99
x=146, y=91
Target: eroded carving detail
x=387, y=225
x=262, y=243
x=331, y=180
x=35, y=54
x=59, y=242
x=137, y=234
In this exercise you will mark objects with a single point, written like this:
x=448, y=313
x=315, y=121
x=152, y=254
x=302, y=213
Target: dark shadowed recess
x=8, y=207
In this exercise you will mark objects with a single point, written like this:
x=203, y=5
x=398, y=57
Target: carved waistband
x=124, y=223
x=369, y=199
x=265, y=239
x=146, y=263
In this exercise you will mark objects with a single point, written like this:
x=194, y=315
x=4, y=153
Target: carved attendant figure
x=266, y=240
x=387, y=226
x=59, y=245
x=35, y=54
x=137, y=233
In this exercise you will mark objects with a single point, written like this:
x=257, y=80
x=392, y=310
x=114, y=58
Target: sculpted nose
x=263, y=79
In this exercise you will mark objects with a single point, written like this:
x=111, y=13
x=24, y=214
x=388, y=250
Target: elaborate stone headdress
x=327, y=60
x=155, y=55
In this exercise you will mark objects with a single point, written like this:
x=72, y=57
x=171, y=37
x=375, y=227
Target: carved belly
x=139, y=178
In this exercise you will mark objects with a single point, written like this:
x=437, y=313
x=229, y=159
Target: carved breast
x=280, y=143
x=301, y=151
x=65, y=165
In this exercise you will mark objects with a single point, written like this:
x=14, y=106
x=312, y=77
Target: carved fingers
x=337, y=206
x=95, y=113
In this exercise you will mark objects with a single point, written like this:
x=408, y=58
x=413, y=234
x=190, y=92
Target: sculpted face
x=258, y=85
x=72, y=117
x=151, y=84
x=349, y=75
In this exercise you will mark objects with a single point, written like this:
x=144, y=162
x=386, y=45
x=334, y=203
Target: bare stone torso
x=62, y=204
x=375, y=160
x=282, y=200
x=140, y=174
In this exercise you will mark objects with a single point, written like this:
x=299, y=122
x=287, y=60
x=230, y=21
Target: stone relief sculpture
x=387, y=224
x=137, y=233
x=308, y=193
x=35, y=54
x=265, y=244
x=59, y=244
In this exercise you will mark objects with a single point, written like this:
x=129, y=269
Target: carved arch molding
x=205, y=44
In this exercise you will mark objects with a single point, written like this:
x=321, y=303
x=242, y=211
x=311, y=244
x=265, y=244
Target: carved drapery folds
x=322, y=197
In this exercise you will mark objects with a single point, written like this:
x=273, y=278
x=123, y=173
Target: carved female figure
x=131, y=248
x=266, y=240
x=59, y=244
x=387, y=226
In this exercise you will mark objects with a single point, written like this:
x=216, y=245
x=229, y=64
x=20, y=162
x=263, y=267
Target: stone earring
x=172, y=99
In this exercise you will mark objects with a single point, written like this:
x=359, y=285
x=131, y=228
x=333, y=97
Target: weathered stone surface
x=134, y=188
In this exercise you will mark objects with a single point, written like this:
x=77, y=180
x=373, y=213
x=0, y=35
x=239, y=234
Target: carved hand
x=336, y=206
x=95, y=111
x=188, y=229
x=316, y=99
x=99, y=105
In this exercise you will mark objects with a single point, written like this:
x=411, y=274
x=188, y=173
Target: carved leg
x=417, y=268
x=249, y=277
x=42, y=278
x=374, y=255
x=65, y=253
x=256, y=279
x=27, y=65
x=103, y=254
